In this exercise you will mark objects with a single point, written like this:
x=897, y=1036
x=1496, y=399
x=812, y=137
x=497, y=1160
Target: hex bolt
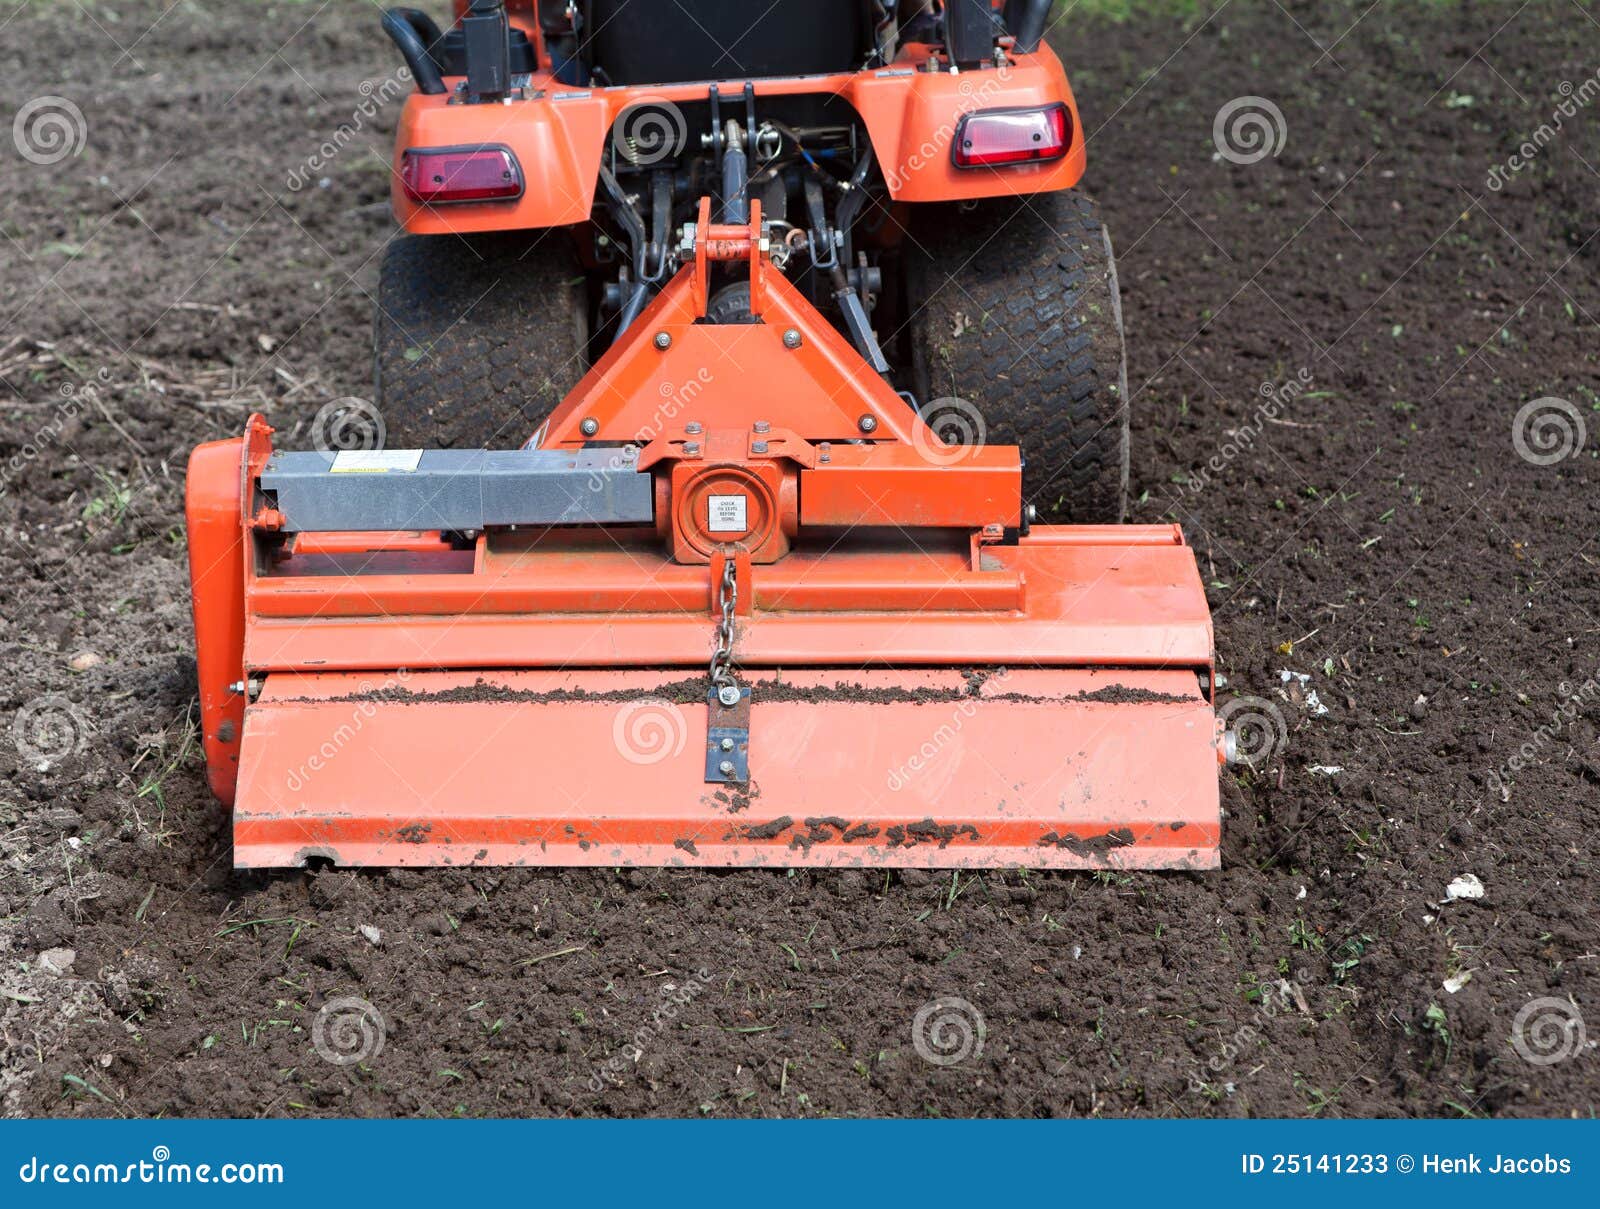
x=663, y=341
x=762, y=426
x=791, y=337
x=691, y=449
x=867, y=423
x=589, y=427
x=728, y=694
x=726, y=768
x=1033, y=513
x=727, y=745
x=825, y=452
x=758, y=447
x=692, y=428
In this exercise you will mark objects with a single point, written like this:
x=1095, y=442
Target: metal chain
x=722, y=647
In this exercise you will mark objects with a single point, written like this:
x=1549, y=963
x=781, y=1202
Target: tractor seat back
x=634, y=42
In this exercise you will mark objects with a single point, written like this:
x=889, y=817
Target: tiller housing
x=455, y=657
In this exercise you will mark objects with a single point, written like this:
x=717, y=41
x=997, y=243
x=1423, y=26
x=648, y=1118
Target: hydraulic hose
x=1026, y=19
x=403, y=33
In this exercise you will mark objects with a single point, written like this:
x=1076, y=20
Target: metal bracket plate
x=457, y=489
x=728, y=739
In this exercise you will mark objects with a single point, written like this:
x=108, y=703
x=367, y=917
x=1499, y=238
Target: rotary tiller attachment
x=733, y=604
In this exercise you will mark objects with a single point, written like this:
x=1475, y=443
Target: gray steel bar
x=367, y=491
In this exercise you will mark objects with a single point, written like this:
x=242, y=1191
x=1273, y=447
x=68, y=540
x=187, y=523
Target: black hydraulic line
x=855, y=197
x=660, y=223
x=627, y=216
x=421, y=65
x=428, y=30
x=631, y=308
x=1026, y=19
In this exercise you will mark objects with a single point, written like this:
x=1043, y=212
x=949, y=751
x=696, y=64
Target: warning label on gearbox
x=727, y=514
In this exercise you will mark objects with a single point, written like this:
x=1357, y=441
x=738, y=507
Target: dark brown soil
x=1375, y=530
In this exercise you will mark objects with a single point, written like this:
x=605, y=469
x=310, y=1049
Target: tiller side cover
x=457, y=657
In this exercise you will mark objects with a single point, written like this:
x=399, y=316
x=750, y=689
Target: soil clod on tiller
x=456, y=657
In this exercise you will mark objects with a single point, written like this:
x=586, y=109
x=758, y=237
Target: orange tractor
x=784, y=294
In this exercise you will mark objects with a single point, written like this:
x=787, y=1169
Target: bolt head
x=589, y=427
x=692, y=428
x=758, y=447
x=691, y=449
x=762, y=426
x=867, y=423
x=1033, y=513
x=728, y=694
x=663, y=340
x=791, y=338
x=726, y=768
x=727, y=745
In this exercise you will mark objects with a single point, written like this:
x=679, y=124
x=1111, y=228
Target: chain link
x=722, y=647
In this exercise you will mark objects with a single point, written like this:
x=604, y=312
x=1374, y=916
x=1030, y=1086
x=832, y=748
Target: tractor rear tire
x=1015, y=312
x=476, y=339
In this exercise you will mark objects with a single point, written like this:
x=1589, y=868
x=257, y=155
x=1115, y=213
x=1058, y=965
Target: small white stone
x=1465, y=886
x=57, y=961
x=372, y=934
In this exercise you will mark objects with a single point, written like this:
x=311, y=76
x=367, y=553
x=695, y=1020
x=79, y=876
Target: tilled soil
x=1330, y=349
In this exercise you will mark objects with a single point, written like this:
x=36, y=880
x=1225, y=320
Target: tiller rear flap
x=733, y=604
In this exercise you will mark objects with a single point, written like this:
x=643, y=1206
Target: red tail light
x=437, y=175
x=993, y=137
